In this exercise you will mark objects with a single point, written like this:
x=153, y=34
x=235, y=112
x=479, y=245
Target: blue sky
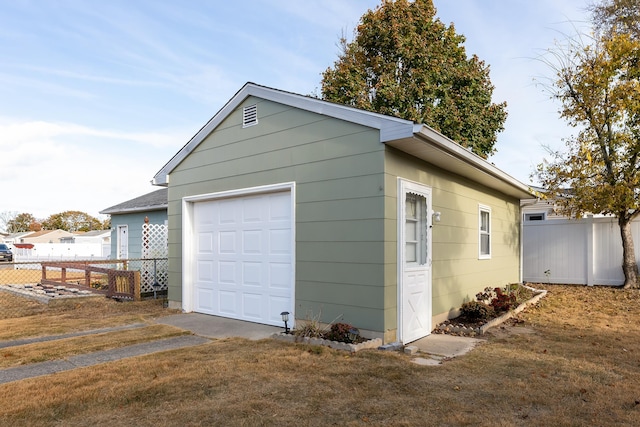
x=96, y=96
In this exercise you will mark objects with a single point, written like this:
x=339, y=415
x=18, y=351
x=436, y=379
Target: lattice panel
x=154, y=248
x=154, y=240
x=150, y=274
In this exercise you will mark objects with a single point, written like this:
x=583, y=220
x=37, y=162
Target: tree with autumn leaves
x=14, y=222
x=597, y=84
x=405, y=62
x=72, y=221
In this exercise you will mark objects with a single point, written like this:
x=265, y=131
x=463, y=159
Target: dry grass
x=71, y=315
x=12, y=305
x=59, y=349
x=21, y=276
x=576, y=362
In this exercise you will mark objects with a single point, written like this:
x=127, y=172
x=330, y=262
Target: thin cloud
x=33, y=132
x=97, y=96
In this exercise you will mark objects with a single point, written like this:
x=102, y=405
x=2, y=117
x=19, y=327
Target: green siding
x=338, y=170
x=458, y=274
x=346, y=213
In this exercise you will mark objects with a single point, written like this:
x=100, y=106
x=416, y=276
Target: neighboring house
x=45, y=236
x=283, y=202
x=94, y=237
x=14, y=238
x=542, y=208
x=547, y=209
x=539, y=210
x=127, y=219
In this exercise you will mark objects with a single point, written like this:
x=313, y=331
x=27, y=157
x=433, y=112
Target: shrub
x=485, y=296
x=475, y=310
x=339, y=332
x=503, y=302
x=498, y=299
x=311, y=327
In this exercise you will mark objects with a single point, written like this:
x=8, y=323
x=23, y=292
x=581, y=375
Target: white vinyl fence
x=62, y=251
x=585, y=252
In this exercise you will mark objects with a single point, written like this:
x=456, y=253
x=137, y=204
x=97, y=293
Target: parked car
x=5, y=253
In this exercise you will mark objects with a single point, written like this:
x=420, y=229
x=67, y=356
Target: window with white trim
x=484, y=232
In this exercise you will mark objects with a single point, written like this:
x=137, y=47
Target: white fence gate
x=586, y=251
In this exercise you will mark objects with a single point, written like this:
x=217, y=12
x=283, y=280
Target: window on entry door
x=415, y=229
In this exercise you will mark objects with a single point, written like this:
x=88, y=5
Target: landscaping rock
x=394, y=346
x=450, y=327
x=411, y=349
x=352, y=348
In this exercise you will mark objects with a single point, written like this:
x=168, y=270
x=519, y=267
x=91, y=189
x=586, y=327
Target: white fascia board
x=162, y=177
x=458, y=153
x=134, y=210
x=390, y=128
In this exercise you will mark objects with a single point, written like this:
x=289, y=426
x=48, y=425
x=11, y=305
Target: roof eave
x=134, y=210
x=435, y=148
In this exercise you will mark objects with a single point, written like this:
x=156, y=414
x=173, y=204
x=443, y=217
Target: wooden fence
x=120, y=283
x=585, y=252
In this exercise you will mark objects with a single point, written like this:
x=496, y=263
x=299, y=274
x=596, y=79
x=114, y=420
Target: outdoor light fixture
x=436, y=216
x=353, y=334
x=285, y=319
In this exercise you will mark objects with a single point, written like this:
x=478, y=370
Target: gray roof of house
x=93, y=233
x=18, y=234
x=154, y=201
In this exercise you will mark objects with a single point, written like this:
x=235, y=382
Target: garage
x=242, y=256
x=285, y=202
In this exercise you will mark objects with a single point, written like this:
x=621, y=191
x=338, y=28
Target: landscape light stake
x=353, y=334
x=285, y=319
x=156, y=285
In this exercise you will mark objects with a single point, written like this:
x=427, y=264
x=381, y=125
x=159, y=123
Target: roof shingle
x=156, y=200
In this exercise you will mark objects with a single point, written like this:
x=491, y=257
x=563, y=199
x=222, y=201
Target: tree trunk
x=629, y=264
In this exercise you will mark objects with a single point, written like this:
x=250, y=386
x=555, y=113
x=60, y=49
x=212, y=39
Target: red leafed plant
x=502, y=302
x=498, y=299
x=341, y=332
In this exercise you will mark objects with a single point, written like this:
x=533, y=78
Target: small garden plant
x=498, y=299
x=341, y=332
x=493, y=302
x=311, y=327
x=475, y=310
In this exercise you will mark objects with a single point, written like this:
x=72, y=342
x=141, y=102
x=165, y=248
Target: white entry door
x=123, y=241
x=242, y=257
x=414, y=261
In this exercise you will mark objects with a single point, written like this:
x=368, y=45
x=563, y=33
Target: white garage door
x=243, y=254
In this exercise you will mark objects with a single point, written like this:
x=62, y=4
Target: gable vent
x=250, y=116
